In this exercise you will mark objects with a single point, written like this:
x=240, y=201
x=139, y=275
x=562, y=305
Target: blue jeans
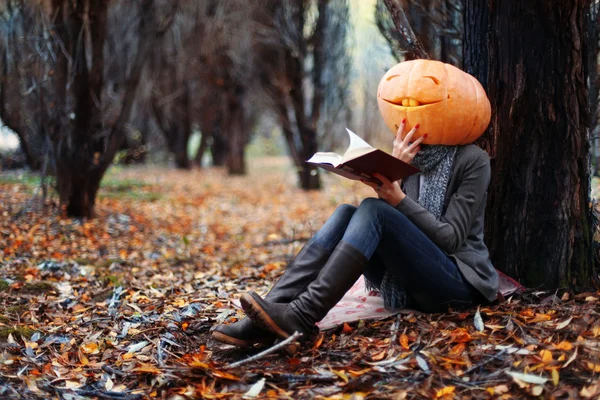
x=391, y=241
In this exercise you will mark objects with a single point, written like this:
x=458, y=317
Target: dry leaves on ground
x=120, y=307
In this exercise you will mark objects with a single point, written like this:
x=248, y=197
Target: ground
x=120, y=307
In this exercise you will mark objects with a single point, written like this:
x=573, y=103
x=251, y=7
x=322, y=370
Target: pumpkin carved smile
x=410, y=103
x=449, y=104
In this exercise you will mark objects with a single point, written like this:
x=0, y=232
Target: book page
x=356, y=142
x=326, y=158
x=357, y=148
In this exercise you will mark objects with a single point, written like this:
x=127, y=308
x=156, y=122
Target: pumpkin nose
x=408, y=102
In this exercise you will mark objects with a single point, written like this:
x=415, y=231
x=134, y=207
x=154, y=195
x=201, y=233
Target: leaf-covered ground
x=120, y=307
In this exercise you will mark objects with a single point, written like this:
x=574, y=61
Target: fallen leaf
x=319, y=340
x=359, y=373
x=563, y=324
x=593, y=367
x=422, y=363
x=478, y=321
x=346, y=328
x=566, y=346
x=528, y=378
x=590, y=391
x=90, y=348
x=571, y=359
x=341, y=374
x=546, y=356
x=137, y=346
x=460, y=335
x=448, y=390
x=555, y=377
x=378, y=356
x=255, y=390
x=404, y=341
x=537, y=390
x=500, y=389
x=224, y=375
x=147, y=368
x=458, y=349
x=539, y=318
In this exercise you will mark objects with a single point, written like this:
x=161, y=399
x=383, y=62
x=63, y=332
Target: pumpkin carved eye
x=434, y=79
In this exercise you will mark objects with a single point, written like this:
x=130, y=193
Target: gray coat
x=459, y=232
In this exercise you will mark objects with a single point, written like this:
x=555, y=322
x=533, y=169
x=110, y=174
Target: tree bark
x=593, y=30
x=209, y=122
x=219, y=148
x=531, y=58
x=183, y=127
x=414, y=48
x=76, y=186
x=308, y=174
x=12, y=101
x=82, y=148
x=236, y=132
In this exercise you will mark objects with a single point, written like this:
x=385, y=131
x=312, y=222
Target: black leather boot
x=342, y=270
x=299, y=273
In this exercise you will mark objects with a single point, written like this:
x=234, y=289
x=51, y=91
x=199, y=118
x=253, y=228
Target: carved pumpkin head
x=449, y=104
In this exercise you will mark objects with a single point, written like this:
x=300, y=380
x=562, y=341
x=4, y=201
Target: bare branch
x=412, y=45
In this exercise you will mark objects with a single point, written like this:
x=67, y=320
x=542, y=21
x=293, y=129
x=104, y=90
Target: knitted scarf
x=436, y=164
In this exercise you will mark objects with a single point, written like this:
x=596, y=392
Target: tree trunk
x=219, y=148
x=77, y=192
x=593, y=21
x=309, y=174
x=531, y=58
x=210, y=119
x=309, y=178
x=204, y=139
x=82, y=150
x=236, y=133
x=236, y=162
x=76, y=186
x=183, y=128
x=11, y=105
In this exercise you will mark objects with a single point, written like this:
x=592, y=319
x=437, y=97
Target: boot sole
x=260, y=317
x=223, y=338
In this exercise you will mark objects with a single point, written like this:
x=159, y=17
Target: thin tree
x=422, y=29
x=303, y=69
x=23, y=72
x=203, y=76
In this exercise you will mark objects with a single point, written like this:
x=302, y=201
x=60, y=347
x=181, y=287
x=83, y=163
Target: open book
x=361, y=161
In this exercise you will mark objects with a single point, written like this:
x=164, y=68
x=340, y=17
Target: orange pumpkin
x=448, y=104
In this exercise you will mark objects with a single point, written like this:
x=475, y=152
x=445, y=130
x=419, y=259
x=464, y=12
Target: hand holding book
x=390, y=192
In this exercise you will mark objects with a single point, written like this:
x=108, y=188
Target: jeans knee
x=371, y=205
x=345, y=211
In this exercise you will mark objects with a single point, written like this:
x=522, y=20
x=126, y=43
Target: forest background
x=155, y=170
